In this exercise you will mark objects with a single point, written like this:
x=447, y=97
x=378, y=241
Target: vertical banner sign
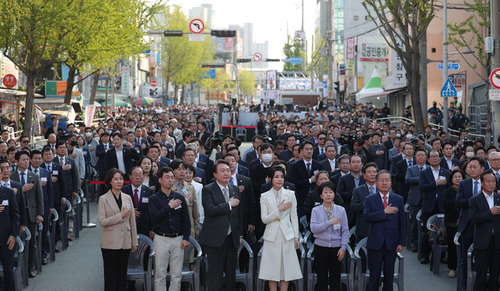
x=125, y=80
x=361, y=82
x=325, y=85
x=341, y=83
x=350, y=48
x=398, y=70
x=89, y=115
x=37, y=129
x=228, y=44
x=350, y=68
x=271, y=80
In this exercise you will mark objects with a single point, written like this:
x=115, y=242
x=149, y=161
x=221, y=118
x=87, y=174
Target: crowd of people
x=169, y=176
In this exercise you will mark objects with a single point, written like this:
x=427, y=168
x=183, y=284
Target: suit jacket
x=400, y=176
x=101, y=153
x=484, y=222
x=390, y=229
x=286, y=221
x=200, y=173
x=128, y=155
x=357, y=204
x=345, y=188
x=247, y=202
x=179, y=150
x=80, y=162
x=300, y=178
x=321, y=157
x=326, y=166
x=392, y=169
x=218, y=216
x=267, y=186
x=59, y=186
x=242, y=170
x=33, y=197
x=71, y=177
x=412, y=180
x=21, y=204
x=252, y=155
x=164, y=162
x=48, y=193
x=388, y=144
x=430, y=189
x=203, y=137
x=254, y=163
x=392, y=153
x=464, y=193
x=9, y=216
x=117, y=233
x=144, y=225
x=285, y=155
x=316, y=152
x=454, y=162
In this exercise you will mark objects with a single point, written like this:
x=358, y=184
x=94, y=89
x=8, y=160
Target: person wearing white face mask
x=91, y=143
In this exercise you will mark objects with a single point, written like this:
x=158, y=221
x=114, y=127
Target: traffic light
x=243, y=60
x=153, y=92
x=208, y=66
x=273, y=60
x=223, y=33
x=337, y=86
x=172, y=33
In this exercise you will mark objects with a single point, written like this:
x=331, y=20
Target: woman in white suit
x=281, y=237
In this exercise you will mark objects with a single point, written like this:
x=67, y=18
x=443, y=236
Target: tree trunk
x=30, y=104
x=415, y=93
x=165, y=95
x=176, y=89
x=70, y=83
x=183, y=95
x=106, y=95
x=94, y=88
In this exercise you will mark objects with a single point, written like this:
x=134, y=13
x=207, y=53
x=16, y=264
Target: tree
x=180, y=57
x=247, y=83
x=318, y=65
x=469, y=34
x=292, y=48
x=403, y=23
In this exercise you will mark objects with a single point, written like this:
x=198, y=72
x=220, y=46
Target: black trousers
x=32, y=245
x=115, y=269
x=222, y=261
x=378, y=259
x=424, y=244
x=465, y=242
x=487, y=259
x=452, y=248
x=328, y=268
x=45, y=239
x=413, y=222
x=7, y=260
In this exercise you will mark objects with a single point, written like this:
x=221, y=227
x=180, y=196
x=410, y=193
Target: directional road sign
x=495, y=78
x=448, y=89
x=257, y=57
x=451, y=67
x=296, y=60
x=196, y=26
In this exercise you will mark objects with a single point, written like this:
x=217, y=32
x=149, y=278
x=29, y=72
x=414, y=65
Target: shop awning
x=385, y=93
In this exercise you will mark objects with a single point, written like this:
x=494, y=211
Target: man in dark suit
x=347, y=183
x=242, y=170
x=412, y=179
x=101, y=150
x=494, y=160
x=201, y=134
x=222, y=229
x=330, y=164
x=433, y=183
x=320, y=106
x=447, y=161
x=358, y=199
x=392, y=168
x=189, y=157
x=287, y=154
x=153, y=152
x=121, y=156
x=187, y=136
x=389, y=144
x=9, y=229
x=140, y=196
x=69, y=170
x=400, y=170
x=466, y=189
x=303, y=175
x=320, y=148
x=7, y=182
x=48, y=197
x=32, y=190
x=261, y=125
x=344, y=169
x=484, y=209
x=252, y=155
x=387, y=235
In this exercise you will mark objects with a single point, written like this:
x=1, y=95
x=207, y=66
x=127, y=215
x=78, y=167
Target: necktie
x=385, y=201
x=476, y=188
x=136, y=197
x=232, y=181
x=309, y=169
x=409, y=163
x=36, y=171
x=6, y=185
x=48, y=168
x=105, y=146
x=498, y=176
x=23, y=181
x=421, y=168
x=226, y=196
x=61, y=161
x=321, y=151
x=372, y=190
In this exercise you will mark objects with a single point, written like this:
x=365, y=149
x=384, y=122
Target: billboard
x=373, y=49
x=271, y=80
x=55, y=89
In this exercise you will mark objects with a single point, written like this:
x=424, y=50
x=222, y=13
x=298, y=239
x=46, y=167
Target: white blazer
x=286, y=221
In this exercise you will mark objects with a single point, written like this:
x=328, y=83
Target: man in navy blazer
x=412, y=179
x=448, y=161
x=330, y=160
x=485, y=215
x=358, y=199
x=433, y=183
x=141, y=203
x=242, y=170
x=101, y=150
x=9, y=229
x=466, y=189
x=121, y=150
x=347, y=183
x=392, y=169
x=400, y=170
x=384, y=211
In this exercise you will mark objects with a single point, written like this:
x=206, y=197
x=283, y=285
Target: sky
x=270, y=19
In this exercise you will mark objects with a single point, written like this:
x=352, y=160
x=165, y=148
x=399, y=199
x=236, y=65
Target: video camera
x=466, y=141
x=214, y=141
x=348, y=139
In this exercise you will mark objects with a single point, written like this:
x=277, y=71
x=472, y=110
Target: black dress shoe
x=414, y=250
x=70, y=238
x=424, y=261
x=57, y=250
x=31, y=274
x=44, y=261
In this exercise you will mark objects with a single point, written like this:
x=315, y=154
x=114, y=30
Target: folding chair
x=136, y=271
x=456, y=240
x=52, y=234
x=408, y=226
x=437, y=249
x=18, y=258
x=38, y=255
x=192, y=277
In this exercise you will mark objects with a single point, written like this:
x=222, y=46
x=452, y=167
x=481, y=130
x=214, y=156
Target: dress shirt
x=449, y=162
x=321, y=150
x=138, y=192
x=277, y=196
x=324, y=233
x=167, y=220
x=36, y=171
x=49, y=167
x=435, y=173
x=25, y=176
x=119, y=159
x=408, y=161
x=356, y=180
x=372, y=189
x=229, y=194
x=61, y=160
x=7, y=184
x=179, y=186
x=332, y=164
x=382, y=198
x=489, y=199
x=233, y=179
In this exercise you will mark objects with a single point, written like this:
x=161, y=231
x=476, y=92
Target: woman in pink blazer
x=119, y=235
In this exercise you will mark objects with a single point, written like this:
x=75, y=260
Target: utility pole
x=330, y=46
x=423, y=76
x=494, y=106
x=445, y=63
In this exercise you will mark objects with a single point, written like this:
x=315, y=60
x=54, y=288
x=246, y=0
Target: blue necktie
x=309, y=169
x=232, y=181
x=409, y=163
x=475, y=188
x=23, y=181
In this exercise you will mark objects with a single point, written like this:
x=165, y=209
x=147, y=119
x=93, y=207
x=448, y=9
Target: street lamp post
x=445, y=64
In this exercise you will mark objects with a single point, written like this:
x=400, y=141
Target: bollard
x=88, y=224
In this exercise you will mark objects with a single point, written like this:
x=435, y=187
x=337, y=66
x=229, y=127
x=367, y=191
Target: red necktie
x=136, y=202
x=385, y=201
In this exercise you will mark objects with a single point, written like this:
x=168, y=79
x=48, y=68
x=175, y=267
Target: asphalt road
x=80, y=266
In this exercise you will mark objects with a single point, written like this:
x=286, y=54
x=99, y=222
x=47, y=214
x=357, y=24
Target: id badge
x=55, y=173
x=5, y=203
x=145, y=199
